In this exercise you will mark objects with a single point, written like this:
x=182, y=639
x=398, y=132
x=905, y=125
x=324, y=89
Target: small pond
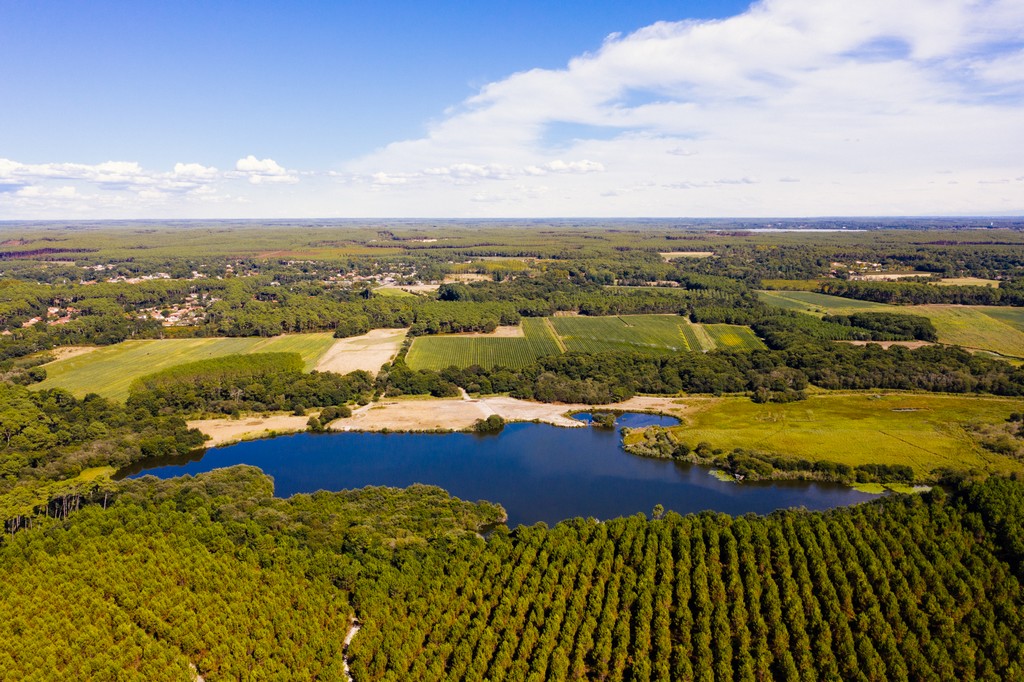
x=536, y=471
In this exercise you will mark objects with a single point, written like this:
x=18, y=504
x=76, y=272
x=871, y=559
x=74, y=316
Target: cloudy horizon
x=786, y=109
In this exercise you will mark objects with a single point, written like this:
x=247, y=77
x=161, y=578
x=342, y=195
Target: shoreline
x=418, y=414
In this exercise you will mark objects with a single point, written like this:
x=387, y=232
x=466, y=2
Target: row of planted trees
x=906, y=589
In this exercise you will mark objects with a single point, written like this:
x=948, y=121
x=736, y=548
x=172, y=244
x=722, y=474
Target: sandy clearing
x=417, y=414
x=888, y=344
x=429, y=414
x=669, y=255
x=419, y=288
x=889, y=276
x=368, y=352
x=223, y=431
x=65, y=352
x=468, y=277
x=503, y=332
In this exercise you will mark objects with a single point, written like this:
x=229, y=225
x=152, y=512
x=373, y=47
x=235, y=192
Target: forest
x=215, y=576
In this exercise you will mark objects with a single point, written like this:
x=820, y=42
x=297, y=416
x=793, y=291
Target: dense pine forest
x=214, y=576
x=215, y=573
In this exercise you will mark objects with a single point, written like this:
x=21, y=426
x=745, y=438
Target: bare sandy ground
x=468, y=277
x=222, y=431
x=887, y=344
x=889, y=276
x=65, y=352
x=419, y=288
x=428, y=414
x=669, y=255
x=418, y=414
x=368, y=352
x=503, y=332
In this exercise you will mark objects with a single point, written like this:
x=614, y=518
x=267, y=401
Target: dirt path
x=353, y=629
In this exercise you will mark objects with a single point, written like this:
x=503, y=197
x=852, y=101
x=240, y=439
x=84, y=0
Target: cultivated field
x=968, y=281
x=110, y=371
x=438, y=352
x=368, y=351
x=647, y=333
x=653, y=333
x=992, y=328
x=812, y=301
x=924, y=431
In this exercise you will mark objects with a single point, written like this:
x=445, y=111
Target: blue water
x=536, y=471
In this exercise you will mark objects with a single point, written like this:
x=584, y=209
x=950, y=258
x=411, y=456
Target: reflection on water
x=536, y=471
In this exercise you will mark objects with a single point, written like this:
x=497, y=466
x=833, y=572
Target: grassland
x=551, y=336
x=438, y=352
x=991, y=328
x=110, y=371
x=813, y=302
x=732, y=337
x=924, y=431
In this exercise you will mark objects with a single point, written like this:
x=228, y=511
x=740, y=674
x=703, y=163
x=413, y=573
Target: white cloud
x=37, y=191
x=195, y=170
x=262, y=171
x=791, y=108
x=861, y=101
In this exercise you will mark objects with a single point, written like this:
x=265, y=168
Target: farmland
x=438, y=352
x=654, y=334
x=996, y=329
x=923, y=431
x=110, y=371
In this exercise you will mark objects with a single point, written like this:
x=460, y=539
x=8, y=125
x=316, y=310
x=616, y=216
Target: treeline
x=749, y=465
x=898, y=325
x=776, y=375
x=255, y=382
x=51, y=435
x=1009, y=293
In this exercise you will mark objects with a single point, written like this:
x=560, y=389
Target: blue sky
x=464, y=109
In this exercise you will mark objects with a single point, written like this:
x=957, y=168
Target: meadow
x=110, y=371
x=924, y=431
x=654, y=334
x=991, y=328
x=438, y=352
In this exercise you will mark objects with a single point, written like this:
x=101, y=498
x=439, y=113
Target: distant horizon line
x=781, y=219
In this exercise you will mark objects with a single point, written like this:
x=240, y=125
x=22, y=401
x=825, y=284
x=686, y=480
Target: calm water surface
x=536, y=471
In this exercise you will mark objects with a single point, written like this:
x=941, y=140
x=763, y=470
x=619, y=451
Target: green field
x=110, y=371
x=924, y=431
x=438, y=352
x=811, y=301
x=991, y=328
x=647, y=333
x=654, y=333
x=651, y=333
x=732, y=337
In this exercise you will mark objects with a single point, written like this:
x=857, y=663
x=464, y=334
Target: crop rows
x=655, y=334
x=904, y=591
x=438, y=352
x=651, y=333
x=733, y=337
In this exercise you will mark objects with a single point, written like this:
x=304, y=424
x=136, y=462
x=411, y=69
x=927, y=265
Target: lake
x=537, y=472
